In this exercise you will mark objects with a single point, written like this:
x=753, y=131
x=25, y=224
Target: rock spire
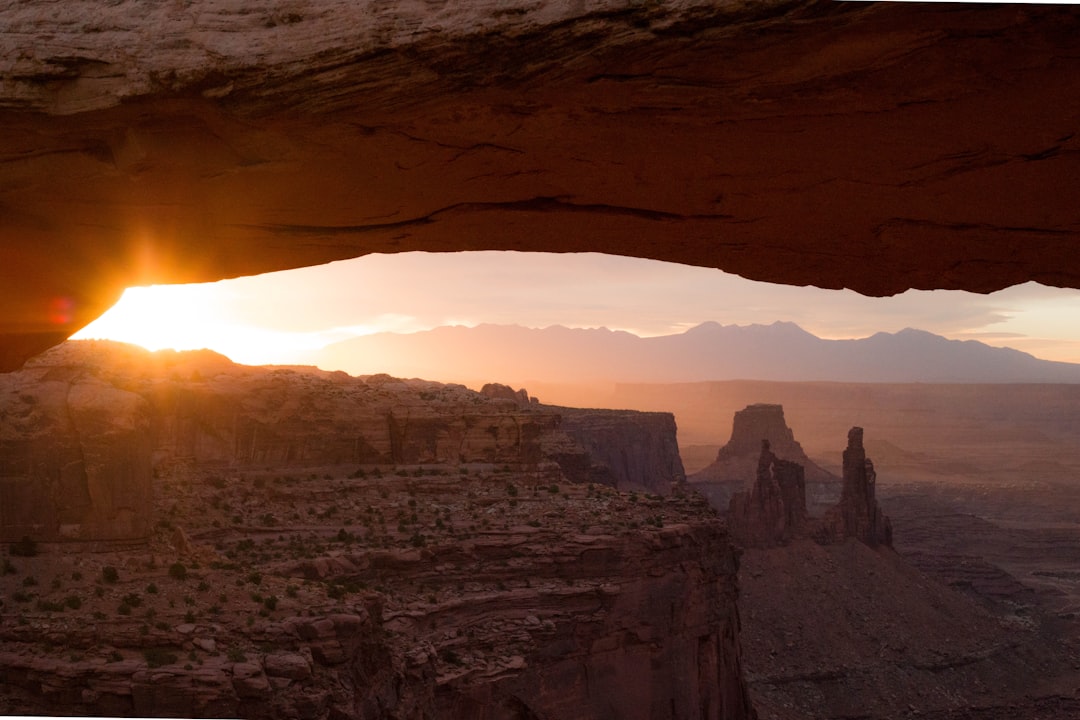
x=858, y=514
x=775, y=509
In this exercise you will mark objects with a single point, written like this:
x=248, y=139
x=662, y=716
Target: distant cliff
x=88, y=423
x=736, y=463
x=398, y=549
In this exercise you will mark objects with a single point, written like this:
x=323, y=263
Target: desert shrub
x=189, y=617
x=449, y=655
x=25, y=547
x=151, y=589
x=235, y=654
x=29, y=581
x=21, y=597
x=177, y=571
x=254, y=578
x=73, y=601
x=157, y=657
x=8, y=568
x=48, y=606
x=123, y=609
x=270, y=602
x=115, y=656
x=109, y=574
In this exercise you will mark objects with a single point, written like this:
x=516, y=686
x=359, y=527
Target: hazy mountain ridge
x=710, y=351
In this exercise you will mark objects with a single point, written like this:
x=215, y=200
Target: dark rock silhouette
x=774, y=511
x=858, y=514
x=736, y=462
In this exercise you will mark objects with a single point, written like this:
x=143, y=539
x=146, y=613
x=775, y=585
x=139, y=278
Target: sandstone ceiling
x=877, y=147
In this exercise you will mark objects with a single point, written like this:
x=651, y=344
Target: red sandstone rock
x=737, y=462
x=858, y=514
x=774, y=511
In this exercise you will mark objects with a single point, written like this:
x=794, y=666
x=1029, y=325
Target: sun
x=192, y=317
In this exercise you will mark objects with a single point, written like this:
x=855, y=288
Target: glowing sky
x=271, y=318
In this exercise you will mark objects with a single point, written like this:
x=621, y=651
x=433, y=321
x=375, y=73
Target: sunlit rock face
x=75, y=457
x=875, y=147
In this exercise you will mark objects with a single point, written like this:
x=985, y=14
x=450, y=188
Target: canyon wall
x=74, y=458
x=87, y=423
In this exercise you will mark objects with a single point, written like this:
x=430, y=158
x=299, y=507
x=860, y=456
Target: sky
x=272, y=318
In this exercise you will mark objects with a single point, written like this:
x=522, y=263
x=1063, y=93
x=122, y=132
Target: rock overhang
x=874, y=147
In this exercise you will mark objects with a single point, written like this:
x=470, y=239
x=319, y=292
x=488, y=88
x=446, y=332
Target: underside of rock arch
x=877, y=147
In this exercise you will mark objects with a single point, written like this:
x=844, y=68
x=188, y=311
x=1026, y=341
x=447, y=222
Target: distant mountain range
x=710, y=351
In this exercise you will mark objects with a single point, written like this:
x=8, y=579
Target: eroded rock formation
x=774, y=510
x=858, y=514
x=738, y=462
x=629, y=450
x=75, y=457
x=83, y=426
x=205, y=140
x=431, y=595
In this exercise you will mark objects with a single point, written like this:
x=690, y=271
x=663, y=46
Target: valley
x=216, y=539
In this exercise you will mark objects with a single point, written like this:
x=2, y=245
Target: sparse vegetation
x=25, y=547
x=158, y=657
x=110, y=575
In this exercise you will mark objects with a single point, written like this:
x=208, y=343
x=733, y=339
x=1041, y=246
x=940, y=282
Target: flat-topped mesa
x=858, y=514
x=757, y=422
x=736, y=461
x=774, y=511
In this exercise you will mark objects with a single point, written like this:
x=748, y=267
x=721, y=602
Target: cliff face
x=627, y=449
x=737, y=462
x=74, y=458
x=88, y=422
x=493, y=600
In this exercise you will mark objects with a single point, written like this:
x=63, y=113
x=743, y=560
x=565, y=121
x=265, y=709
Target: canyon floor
x=248, y=578
x=976, y=612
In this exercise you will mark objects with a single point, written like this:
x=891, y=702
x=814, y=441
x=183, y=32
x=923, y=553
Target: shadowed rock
x=739, y=459
x=858, y=514
x=774, y=511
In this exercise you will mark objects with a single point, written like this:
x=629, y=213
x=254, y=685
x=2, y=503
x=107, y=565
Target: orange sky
x=272, y=318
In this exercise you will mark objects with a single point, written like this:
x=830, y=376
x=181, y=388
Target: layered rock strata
x=436, y=595
x=774, y=510
x=87, y=423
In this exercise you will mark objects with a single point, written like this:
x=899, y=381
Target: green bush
x=177, y=571
x=110, y=575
